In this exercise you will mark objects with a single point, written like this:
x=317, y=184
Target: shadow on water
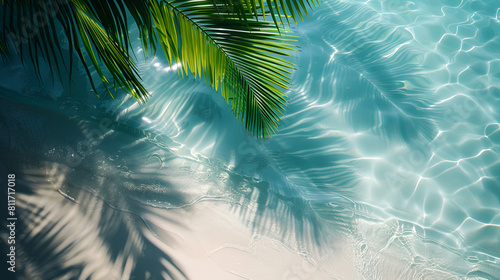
x=87, y=182
x=75, y=217
x=370, y=72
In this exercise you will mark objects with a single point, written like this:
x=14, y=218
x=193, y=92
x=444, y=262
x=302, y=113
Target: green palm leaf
x=239, y=58
x=278, y=9
x=226, y=42
x=30, y=27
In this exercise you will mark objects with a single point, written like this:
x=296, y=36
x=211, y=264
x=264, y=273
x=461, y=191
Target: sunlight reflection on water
x=386, y=164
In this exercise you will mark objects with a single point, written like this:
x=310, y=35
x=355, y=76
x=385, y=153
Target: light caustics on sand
x=386, y=164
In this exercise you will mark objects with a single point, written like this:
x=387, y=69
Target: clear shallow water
x=386, y=164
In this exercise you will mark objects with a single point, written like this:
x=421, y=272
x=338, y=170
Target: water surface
x=386, y=164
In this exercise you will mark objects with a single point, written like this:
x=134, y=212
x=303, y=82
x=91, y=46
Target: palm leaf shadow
x=375, y=73
x=305, y=188
x=65, y=213
x=101, y=241
x=283, y=213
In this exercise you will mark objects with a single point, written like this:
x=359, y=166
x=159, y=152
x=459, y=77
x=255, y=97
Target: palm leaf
x=239, y=58
x=39, y=38
x=278, y=9
x=224, y=41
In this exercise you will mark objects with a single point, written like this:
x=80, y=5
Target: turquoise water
x=386, y=164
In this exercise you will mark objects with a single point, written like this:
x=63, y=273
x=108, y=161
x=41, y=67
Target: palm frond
x=238, y=53
x=241, y=58
x=278, y=9
x=40, y=38
x=112, y=54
